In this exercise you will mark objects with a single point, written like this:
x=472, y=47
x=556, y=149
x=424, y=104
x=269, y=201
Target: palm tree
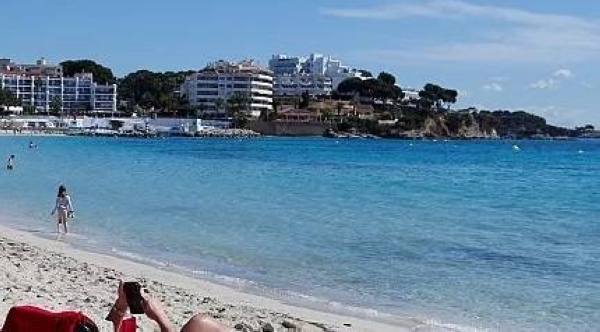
x=199, y=110
x=219, y=104
x=339, y=108
x=236, y=103
x=38, y=90
x=56, y=106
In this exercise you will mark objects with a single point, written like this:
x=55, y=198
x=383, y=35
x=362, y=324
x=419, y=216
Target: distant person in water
x=10, y=162
x=32, y=145
x=64, y=207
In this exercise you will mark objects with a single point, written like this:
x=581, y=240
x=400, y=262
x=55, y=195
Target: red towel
x=33, y=319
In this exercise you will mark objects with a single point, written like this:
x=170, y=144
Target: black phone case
x=133, y=291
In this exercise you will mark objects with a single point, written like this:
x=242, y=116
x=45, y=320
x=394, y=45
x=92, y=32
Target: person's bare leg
x=62, y=219
x=203, y=323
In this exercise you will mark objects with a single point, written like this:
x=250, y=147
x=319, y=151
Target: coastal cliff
x=461, y=124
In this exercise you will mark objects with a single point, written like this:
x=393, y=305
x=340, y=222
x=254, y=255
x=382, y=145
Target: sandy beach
x=54, y=275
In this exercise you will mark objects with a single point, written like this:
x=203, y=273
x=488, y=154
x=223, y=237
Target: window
x=207, y=93
x=207, y=86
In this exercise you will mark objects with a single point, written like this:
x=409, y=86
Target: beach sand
x=54, y=275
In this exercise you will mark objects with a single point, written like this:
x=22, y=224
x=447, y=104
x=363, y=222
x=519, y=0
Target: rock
x=267, y=327
x=288, y=324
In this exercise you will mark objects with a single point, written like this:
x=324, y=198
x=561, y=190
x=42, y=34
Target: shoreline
x=94, y=270
x=342, y=136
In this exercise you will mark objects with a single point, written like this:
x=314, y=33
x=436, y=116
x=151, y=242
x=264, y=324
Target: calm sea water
x=459, y=233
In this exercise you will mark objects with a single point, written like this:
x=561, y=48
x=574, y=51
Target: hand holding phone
x=133, y=292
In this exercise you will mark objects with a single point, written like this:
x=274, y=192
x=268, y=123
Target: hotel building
x=215, y=84
x=317, y=74
x=40, y=84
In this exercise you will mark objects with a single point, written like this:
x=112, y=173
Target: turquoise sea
x=469, y=235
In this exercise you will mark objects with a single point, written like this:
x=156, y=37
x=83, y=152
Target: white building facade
x=210, y=88
x=45, y=85
x=316, y=74
x=295, y=85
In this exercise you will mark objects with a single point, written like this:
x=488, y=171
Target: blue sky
x=536, y=55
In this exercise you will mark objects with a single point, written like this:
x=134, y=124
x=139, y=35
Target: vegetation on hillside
x=102, y=75
x=383, y=88
x=154, y=90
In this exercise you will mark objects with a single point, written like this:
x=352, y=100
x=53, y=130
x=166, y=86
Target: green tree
x=430, y=95
x=383, y=89
x=326, y=115
x=82, y=108
x=28, y=110
x=199, y=111
x=304, y=100
x=220, y=105
x=102, y=75
x=449, y=97
x=351, y=86
x=433, y=94
x=56, y=106
x=38, y=87
x=386, y=78
x=8, y=98
x=153, y=89
x=236, y=104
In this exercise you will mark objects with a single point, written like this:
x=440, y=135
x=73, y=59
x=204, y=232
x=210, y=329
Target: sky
x=540, y=56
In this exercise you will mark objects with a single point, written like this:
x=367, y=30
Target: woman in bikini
x=64, y=208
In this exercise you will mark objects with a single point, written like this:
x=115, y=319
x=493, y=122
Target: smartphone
x=133, y=291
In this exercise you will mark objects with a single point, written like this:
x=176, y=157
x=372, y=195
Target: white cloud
x=493, y=86
x=564, y=73
x=518, y=35
x=552, y=82
x=544, y=84
x=451, y=8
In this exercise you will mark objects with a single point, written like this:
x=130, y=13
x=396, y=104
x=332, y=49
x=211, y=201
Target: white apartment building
x=317, y=74
x=39, y=85
x=294, y=85
x=215, y=84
